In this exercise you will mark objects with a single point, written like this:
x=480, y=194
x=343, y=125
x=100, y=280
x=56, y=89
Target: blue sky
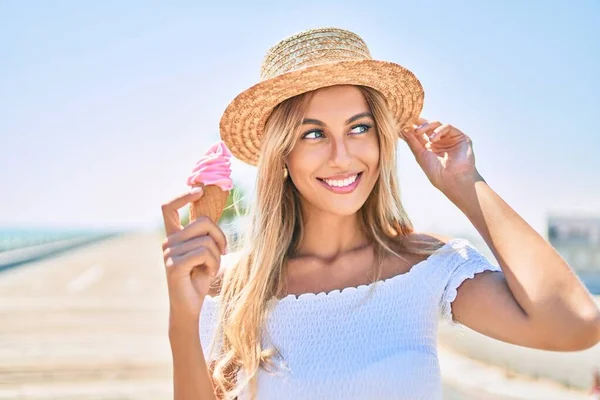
x=105, y=106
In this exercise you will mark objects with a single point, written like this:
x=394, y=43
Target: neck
x=327, y=236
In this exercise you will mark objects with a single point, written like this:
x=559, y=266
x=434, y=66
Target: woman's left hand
x=444, y=153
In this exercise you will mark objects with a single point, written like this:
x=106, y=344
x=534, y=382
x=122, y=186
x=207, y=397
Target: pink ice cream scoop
x=213, y=173
x=213, y=168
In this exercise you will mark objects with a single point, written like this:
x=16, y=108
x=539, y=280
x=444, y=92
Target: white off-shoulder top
x=345, y=344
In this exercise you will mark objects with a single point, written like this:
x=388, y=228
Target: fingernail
x=433, y=135
x=196, y=189
x=422, y=125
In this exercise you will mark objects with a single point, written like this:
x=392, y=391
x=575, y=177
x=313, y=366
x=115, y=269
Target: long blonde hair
x=276, y=230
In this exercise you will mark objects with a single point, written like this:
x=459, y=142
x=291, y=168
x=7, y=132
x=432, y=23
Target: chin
x=342, y=210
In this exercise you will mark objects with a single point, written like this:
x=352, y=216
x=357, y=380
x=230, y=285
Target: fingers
x=201, y=256
x=422, y=121
x=439, y=132
x=418, y=137
x=200, y=227
x=180, y=249
x=427, y=128
x=426, y=135
x=170, y=210
x=414, y=143
x=433, y=131
x=441, y=135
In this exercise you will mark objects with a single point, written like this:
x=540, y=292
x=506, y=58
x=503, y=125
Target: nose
x=340, y=157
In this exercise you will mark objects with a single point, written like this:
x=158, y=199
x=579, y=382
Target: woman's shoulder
x=431, y=238
x=439, y=248
x=436, y=241
x=421, y=244
x=412, y=252
x=458, y=254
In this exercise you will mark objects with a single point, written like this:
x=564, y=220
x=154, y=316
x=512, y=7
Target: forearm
x=191, y=378
x=541, y=281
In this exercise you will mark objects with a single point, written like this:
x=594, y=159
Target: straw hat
x=308, y=61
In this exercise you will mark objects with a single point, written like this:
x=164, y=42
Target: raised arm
x=537, y=300
x=192, y=257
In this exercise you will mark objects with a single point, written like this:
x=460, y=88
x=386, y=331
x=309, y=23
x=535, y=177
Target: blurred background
x=106, y=106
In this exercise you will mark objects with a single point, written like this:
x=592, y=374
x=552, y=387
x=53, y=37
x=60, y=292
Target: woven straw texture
x=308, y=61
x=211, y=204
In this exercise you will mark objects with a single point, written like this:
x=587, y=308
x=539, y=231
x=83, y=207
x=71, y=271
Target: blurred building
x=577, y=239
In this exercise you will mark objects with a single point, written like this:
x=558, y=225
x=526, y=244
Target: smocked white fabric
x=345, y=345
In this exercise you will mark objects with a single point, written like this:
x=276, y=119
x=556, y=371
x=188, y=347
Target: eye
x=358, y=129
x=316, y=134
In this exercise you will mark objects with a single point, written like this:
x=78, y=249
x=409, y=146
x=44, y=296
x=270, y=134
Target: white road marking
x=88, y=277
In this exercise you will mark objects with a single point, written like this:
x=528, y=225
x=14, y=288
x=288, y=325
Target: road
x=89, y=324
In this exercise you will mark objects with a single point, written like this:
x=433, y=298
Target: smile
x=346, y=185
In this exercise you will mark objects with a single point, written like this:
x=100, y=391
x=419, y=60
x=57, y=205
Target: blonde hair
x=276, y=230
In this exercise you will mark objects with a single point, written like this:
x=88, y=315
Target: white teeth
x=343, y=183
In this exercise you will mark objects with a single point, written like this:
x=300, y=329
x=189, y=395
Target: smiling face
x=335, y=161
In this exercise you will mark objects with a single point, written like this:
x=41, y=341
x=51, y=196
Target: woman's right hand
x=192, y=256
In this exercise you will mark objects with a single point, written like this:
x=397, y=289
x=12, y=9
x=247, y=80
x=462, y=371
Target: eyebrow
x=311, y=121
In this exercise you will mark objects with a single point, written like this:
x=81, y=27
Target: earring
x=285, y=173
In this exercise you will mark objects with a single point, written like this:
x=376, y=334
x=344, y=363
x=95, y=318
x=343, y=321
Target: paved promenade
x=92, y=324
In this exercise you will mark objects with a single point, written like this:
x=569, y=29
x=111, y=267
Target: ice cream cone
x=213, y=174
x=211, y=204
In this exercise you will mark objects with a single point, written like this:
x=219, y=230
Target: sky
x=106, y=106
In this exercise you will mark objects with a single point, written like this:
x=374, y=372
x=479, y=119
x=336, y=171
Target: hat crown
x=313, y=47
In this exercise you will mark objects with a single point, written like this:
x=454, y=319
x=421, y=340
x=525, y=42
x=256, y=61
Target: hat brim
x=242, y=124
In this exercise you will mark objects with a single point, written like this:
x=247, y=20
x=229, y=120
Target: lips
x=341, y=182
x=345, y=185
x=341, y=177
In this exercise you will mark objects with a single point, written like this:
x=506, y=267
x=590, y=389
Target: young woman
x=333, y=294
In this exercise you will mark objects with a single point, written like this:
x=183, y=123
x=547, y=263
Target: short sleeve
x=464, y=263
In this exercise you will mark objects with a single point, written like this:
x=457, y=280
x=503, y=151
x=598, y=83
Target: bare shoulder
x=422, y=245
x=430, y=238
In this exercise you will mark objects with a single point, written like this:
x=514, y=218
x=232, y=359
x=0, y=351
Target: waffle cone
x=211, y=204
